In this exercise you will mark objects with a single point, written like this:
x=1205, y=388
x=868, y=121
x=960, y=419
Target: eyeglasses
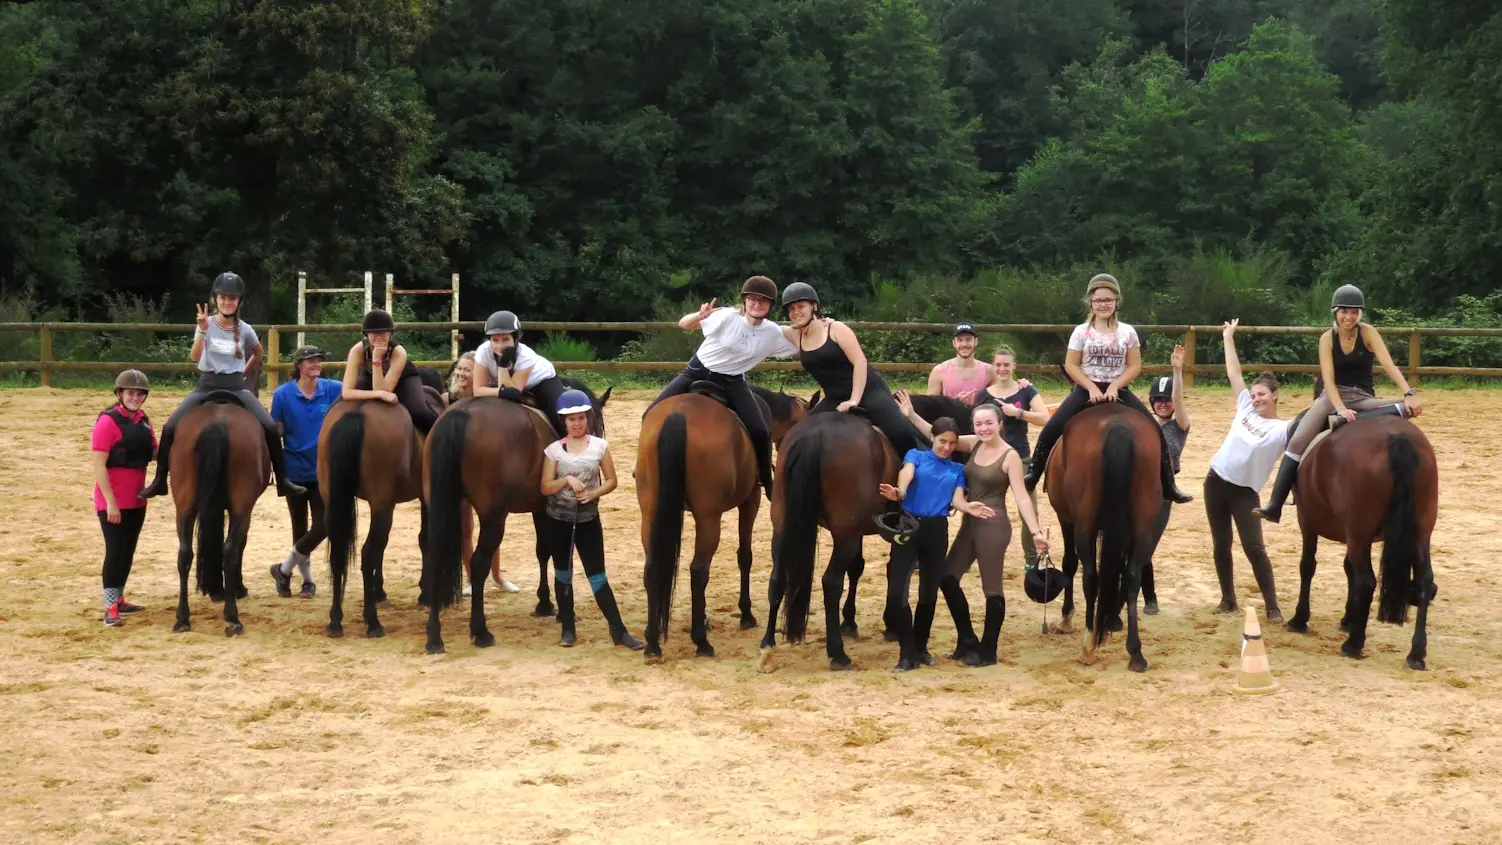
x=1102, y=302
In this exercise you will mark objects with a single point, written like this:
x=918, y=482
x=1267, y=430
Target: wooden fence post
x=1189, y=359
x=46, y=368
x=273, y=358
x=1413, y=359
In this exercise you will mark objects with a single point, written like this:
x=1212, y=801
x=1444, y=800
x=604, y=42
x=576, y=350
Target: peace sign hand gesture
x=707, y=308
x=203, y=316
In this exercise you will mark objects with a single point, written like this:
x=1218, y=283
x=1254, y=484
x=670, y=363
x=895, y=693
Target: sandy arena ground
x=284, y=735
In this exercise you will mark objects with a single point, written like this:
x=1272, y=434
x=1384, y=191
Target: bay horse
x=1103, y=483
x=367, y=449
x=219, y=464
x=699, y=429
x=829, y=471
x=1368, y=480
x=489, y=451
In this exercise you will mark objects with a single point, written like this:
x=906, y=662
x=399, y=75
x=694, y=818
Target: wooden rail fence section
x=46, y=365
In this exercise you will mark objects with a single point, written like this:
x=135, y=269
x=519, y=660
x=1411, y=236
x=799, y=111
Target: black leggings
x=209, y=382
x=878, y=402
x=925, y=551
x=304, y=539
x=737, y=390
x=120, y=545
x=588, y=539
x=547, y=392
x=1078, y=400
x=1226, y=503
x=409, y=392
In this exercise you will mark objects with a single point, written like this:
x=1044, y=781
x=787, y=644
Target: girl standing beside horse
x=1021, y=406
x=122, y=445
x=299, y=407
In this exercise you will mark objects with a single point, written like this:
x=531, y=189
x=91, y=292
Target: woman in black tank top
x=831, y=354
x=1346, y=354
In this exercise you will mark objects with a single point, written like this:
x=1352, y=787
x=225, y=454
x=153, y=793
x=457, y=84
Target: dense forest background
x=913, y=159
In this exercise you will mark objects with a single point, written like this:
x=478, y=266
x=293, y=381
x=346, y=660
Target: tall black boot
x=565, y=612
x=279, y=467
x=923, y=622
x=959, y=609
x=158, y=486
x=763, y=447
x=1035, y=467
x=985, y=653
x=605, y=598
x=1171, y=491
x=1288, y=476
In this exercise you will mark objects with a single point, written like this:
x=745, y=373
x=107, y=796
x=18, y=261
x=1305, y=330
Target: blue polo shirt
x=302, y=419
x=933, y=485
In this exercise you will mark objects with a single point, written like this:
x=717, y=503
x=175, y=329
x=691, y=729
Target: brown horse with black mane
x=1104, y=483
x=698, y=429
x=1372, y=479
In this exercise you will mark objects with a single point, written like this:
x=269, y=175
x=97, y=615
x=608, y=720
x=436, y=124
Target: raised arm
x=966, y=442
x=1233, y=362
x=1180, y=411
x=692, y=320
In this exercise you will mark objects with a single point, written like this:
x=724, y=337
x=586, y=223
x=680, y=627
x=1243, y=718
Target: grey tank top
x=1176, y=437
x=988, y=484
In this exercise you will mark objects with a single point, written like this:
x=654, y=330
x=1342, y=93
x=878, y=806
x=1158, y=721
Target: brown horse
x=219, y=463
x=1373, y=479
x=489, y=451
x=1104, y=483
x=829, y=471
x=370, y=450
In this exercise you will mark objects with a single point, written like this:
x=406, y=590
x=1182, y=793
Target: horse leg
x=706, y=541
x=855, y=568
x=234, y=587
x=184, y=566
x=1363, y=583
x=1084, y=544
x=776, y=590
x=1424, y=579
x=1345, y=617
x=845, y=549
x=544, y=603
x=748, y=510
x=1065, y=624
x=1140, y=564
x=492, y=532
x=371, y=555
x=1299, y=624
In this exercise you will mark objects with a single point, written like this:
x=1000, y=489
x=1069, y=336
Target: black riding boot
x=1171, y=491
x=763, y=447
x=959, y=609
x=565, y=612
x=1035, y=467
x=605, y=598
x=1288, y=476
x=279, y=467
x=158, y=486
x=985, y=653
x=923, y=622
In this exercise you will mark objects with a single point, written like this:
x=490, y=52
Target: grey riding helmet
x=1347, y=296
x=503, y=322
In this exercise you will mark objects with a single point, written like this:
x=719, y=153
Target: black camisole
x=1354, y=369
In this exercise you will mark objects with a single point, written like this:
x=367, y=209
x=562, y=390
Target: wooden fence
x=46, y=365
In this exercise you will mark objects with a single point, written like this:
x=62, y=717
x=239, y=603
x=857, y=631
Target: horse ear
x=605, y=397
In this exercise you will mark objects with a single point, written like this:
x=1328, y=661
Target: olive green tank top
x=988, y=484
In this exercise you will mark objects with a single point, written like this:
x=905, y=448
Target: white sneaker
x=468, y=590
x=509, y=587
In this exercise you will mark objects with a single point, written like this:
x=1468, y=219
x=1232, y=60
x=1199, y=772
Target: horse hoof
x=840, y=664
x=851, y=630
x=652, y=655
x=381, y=597
x=1151, y=608
x=927, y=659
x=544, y=610
x=1417, y=664
x=1226, y=607
x=905, y=665
x=234, y=630
x=435, y=648
x=335, y=631
x=483, y=640
x=748, y=622
x=375, y=632
x=705, y=650
x=764, y=661
x=181, y=628
x=1345, y=626
x=1274, y=618
x=1353, y=652
x=1138, y=664
x=889, y=635
x=1297, y=627
x=1115, y=625
x=567, y=639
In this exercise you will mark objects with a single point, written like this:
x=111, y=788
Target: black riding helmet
x=1043, y=583
x=504, y=322
x=377, y=320
x=1347, y=296
x=229, y=284
x=896, y=527
x=1162, y=389
x=799, y=292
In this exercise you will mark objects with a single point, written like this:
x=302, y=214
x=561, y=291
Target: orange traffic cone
x=1255, y=677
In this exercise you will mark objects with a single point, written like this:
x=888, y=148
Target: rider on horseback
x=226, y=349
x=832, y=355
x=1348, y=366
x=399, y=379
x=1104, y=357
x=736, y=340
x=504, y=367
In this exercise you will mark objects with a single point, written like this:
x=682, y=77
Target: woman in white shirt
x=735, y=341
x=504, y=367
x=1104, y=357
x=1237, y=473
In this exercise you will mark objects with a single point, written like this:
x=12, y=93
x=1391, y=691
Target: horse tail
x=442, y=567
x=210, y=501
x=804, y=505
x=665, y=536
x=1399, y=532
x=1114, y=517
x=344, y=448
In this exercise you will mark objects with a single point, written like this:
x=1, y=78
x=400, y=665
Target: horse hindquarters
x=343, y=453
x=664, y=526
x=442, y=569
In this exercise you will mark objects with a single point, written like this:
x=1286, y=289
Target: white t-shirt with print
x=542, y=368
x=732, y=347
x=219, y=348
x=1252, y=446
x=1103, y=354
